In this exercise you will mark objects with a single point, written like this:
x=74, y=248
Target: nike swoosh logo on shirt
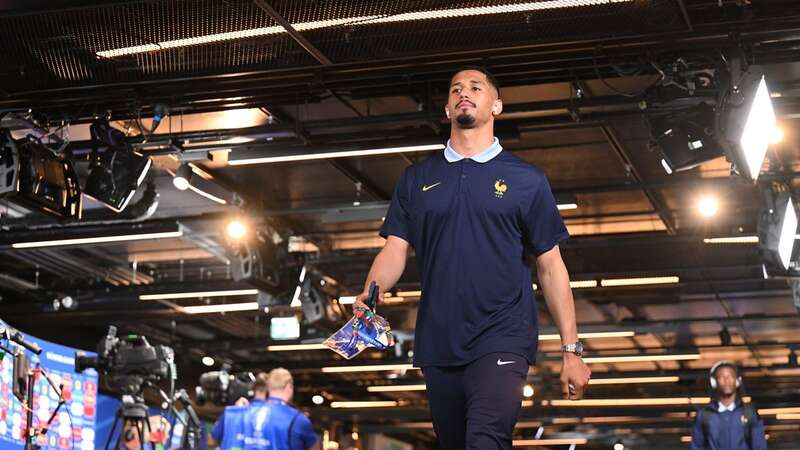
x=427, y=188
x=503, y=363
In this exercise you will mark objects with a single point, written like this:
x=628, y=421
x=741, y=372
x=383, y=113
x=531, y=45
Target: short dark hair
x=492, y=80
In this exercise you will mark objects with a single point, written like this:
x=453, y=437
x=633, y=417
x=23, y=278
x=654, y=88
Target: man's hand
x=361, y=299
x=574, y=376
x=359, y=303
x=242, y=402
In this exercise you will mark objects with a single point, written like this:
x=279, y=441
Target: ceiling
x=254, y=79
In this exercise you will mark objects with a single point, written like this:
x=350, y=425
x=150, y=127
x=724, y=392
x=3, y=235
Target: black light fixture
x=747, y=119
x=686, y=139
x=118, y=171
x=33, y=176
x=725, y=337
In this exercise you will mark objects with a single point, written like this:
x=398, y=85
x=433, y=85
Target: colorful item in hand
x=365, y=329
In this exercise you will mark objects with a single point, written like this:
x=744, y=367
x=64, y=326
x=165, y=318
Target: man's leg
x=494, y=392
x=445, y=390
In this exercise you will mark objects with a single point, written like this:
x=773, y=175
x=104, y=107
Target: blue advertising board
x=74, y=426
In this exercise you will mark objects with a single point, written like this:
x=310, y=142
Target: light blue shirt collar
x=722, y=408
x=482, y=157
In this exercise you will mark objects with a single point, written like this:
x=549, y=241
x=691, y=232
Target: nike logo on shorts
x=503, y=363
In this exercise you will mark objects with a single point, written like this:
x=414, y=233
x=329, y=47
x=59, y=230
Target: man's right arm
x=698, y=434
x=386, y=269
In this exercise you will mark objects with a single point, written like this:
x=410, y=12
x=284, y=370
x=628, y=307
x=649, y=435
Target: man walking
x=476, y=216
x=727, y=423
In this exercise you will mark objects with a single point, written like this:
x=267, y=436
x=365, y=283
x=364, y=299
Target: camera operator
x=267, y=421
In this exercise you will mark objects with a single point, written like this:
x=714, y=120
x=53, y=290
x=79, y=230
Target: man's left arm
x=758, y=438
x=554, y=279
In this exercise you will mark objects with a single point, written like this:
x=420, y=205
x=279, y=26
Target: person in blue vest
x=727, y=423
x=477, y=217
x=266, y=422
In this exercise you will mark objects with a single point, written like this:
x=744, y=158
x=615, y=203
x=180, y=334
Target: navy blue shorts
x=476, y=406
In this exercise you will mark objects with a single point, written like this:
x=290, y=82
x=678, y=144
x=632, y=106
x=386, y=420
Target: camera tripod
x=190, y=440
x=132, y=411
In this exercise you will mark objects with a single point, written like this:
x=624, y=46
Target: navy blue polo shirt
x=474, y=223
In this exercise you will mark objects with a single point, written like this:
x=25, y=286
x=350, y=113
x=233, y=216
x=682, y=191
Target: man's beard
x=465, y=120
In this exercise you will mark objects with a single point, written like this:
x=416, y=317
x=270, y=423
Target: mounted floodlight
x=686, y=139
x=777, y=231
x=32, y=176
x=747, y=120
x=117, y=172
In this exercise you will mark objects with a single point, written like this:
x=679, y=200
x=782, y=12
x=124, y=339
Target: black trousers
x=476, y=406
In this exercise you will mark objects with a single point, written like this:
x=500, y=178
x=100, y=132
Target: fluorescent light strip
x=294, y=347
x=680, y=417
x=629, y=402
x=640, y=358
x=788, y=416
x=601, y=381
x=688, y=439
x=580, y=284
x=339, y=154
x=546, y=442
x=732, y=240
x=232, y=307
x=354, y=21
x=634, y=380
x=566, y=206
x=409, y=294
x=575, y=284
x=99, y=239
x=774, y=411
x=371, y=368
x=543, y=337
x=365, y=404
x=397, y=388
x=610, y=282
x=349, y=300
x=604, y=334
x=179, y=295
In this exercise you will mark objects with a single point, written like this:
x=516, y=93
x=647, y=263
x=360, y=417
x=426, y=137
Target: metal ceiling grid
x=359, y=39
x=60, y=48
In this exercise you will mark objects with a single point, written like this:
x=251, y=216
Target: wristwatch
x=576, y=348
